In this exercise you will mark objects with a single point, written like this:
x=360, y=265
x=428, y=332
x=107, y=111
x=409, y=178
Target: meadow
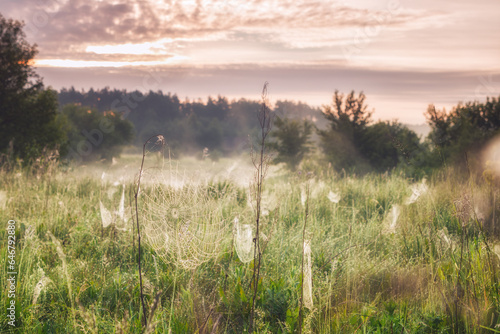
x=379, y=253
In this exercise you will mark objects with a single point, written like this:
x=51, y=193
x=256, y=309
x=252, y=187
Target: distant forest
x=188, y=126
x=343, y=134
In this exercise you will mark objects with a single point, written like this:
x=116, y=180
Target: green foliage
x=292, y=141
x=352, y=143
x=436, y=271
x=190, y=125
x=27, y=111
x=386, y=145
x=466, y=128
x=93, y=135
x=348, y=121
x=209, y=134
x=276, y=302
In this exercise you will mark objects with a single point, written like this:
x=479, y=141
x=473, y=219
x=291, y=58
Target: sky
x=403, y=54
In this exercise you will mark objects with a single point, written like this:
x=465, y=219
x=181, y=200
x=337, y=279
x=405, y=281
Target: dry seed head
x=154, y=144
x=464, y=209
x=160, y=140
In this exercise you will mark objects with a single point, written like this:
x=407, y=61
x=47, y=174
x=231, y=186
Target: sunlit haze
x=403, y=54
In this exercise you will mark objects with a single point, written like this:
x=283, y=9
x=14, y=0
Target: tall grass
x=434, y=270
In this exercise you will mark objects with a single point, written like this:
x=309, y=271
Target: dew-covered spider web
x=112, y=204
x=243, y=241
x=308, y=291
x=178, y=217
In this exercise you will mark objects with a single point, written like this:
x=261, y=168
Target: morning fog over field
x=249, y=167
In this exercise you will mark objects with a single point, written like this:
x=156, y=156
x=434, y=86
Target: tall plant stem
x=265, y=121
x=144, y=321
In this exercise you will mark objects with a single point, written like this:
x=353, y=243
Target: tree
x=293, y=141
x=385, y=145
x=348, y=115
x=348, y=120
x=467, y=128
x=94, y=135
x=27, y=112
x=352, y=142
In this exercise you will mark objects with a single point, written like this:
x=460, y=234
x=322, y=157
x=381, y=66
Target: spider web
x=180, y=221
x=308, y=290
x=112, y=204
x=243, y=241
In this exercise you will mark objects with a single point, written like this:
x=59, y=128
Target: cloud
x=405, y=54
x=73, y=25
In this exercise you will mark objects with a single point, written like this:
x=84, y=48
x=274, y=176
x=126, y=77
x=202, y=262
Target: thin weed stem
x=261, y=166
x=161, y=139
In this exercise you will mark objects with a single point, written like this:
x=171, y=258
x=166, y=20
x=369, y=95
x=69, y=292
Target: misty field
x=372, y=254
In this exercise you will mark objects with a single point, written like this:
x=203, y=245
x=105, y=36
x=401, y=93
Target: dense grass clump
x=388, y=254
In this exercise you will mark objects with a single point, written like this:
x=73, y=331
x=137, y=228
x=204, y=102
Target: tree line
x=189, y=126
x=96, y=124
